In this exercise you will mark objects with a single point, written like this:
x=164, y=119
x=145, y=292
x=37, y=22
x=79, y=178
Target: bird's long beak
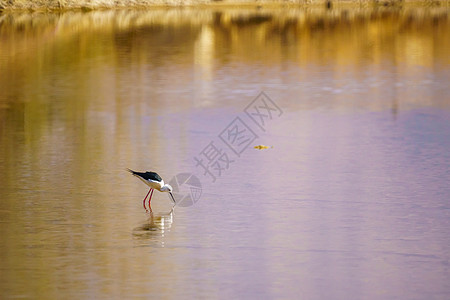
x=173, y=199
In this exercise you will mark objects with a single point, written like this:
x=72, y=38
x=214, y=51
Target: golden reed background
x=95, y=4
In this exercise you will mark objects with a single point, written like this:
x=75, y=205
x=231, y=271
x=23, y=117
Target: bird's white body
x=157, y=185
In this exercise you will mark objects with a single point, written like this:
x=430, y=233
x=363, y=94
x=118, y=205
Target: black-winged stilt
x=154, y=181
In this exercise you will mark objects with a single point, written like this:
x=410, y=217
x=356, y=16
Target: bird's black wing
x=151, y=176
x=147, y=175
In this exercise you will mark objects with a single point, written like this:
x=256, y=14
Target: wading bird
x=154, y=181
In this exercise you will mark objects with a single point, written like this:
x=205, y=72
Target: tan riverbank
x=107, y=4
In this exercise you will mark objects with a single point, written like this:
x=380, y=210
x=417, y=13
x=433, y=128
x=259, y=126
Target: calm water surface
x=351, y=200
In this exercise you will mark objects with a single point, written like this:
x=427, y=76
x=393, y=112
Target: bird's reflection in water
x=155, y=227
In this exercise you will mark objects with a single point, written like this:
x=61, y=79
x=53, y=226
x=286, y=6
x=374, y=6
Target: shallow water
x=350, y=200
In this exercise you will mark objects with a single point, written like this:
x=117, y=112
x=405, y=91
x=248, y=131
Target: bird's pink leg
x=143, y=202
x=150, y=199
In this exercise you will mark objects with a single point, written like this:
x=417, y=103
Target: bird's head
x=166, y=188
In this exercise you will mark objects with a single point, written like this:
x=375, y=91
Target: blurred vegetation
x=95, y=4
